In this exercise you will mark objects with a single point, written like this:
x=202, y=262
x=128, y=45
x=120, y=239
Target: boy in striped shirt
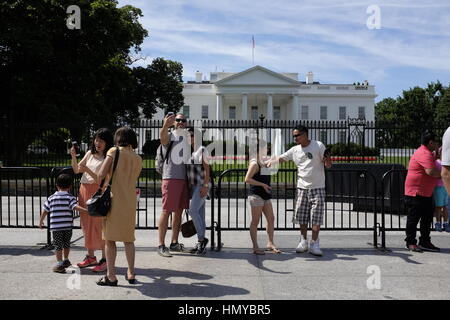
x=60, y=205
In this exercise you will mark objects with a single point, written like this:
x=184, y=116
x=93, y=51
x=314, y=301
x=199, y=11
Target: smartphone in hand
x=76, y=147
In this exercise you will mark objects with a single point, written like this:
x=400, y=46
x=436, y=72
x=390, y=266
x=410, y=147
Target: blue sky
x=330, y=38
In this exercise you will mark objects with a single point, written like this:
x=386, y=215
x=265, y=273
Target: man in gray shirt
x=174, y=186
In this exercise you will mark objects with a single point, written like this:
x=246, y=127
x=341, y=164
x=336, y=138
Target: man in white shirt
x=445, y=160
x=311, y=160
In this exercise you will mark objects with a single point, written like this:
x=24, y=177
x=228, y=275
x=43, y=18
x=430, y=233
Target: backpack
x=160, y=158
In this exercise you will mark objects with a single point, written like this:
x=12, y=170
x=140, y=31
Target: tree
x=401, y=121
x=79, y=79
x=443, y=107
x=159, y=85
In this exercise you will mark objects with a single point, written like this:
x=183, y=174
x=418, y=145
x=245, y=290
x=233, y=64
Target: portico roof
x=257, y=76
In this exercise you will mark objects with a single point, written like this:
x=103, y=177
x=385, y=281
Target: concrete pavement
x=349, y=269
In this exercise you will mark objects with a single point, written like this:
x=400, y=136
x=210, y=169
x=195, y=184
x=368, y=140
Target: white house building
x=277, y=96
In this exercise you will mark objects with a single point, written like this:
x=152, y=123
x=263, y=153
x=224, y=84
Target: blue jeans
x=197, y=212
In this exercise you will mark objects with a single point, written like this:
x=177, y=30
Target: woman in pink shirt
x=440, y=199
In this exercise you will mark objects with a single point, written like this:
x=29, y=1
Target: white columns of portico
x=244, y=106
x=295, y=107
x=269, y=106
x=219, y=98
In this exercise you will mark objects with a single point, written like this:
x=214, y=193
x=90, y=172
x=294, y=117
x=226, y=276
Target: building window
x=276, y=113
x=342, y=113
x=232, y=113
x=254, y=112
x=148, y=135
x=361, y=112
x=342, y=137
x=186, y=111
x=304, y=113
x=205, y=112
x=323, y=113
x=323, y=137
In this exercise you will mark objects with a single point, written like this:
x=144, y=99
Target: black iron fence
x=357, y=199
x=350, y=141
x=351, y=201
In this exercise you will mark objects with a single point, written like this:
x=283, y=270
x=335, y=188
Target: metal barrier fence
x=23, y=191
x=351, y=201
x=393, y=203
x=355, y=200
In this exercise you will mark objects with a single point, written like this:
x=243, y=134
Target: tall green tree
x=80, y=78
x=159, y=85
x=402, y=120
x=443, y=107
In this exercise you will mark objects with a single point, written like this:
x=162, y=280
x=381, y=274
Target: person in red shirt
x=419, y=185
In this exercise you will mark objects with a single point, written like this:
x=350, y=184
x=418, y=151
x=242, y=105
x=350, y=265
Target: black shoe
x=66, y=263
x=106, y=282
x=202, y=247
x=130, y=281
x=429, y=247
x=176, y=247
x=195, y=249
x=163, y=251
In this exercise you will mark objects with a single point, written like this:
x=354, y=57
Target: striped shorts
x=309, y=202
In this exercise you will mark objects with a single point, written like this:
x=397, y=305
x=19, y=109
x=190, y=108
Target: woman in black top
x=259, y=198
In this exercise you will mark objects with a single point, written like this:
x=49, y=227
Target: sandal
x=130, y=281
x=259, y=252
x=273, y=250
x=106, y=282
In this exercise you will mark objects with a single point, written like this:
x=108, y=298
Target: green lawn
x=218, y=167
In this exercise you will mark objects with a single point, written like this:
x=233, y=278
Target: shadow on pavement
x=22, y=250
x=163, y=287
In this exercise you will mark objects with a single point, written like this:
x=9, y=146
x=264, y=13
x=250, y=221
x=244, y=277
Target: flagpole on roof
x=253, y=50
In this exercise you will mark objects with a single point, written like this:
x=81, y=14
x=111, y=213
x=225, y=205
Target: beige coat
x=120, y=222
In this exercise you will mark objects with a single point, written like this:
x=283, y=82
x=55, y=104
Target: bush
x=352, y=149
x=150, y=147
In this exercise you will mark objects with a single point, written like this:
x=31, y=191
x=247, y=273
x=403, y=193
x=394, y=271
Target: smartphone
x=327, y=153
x=77, y=148
x=170, y=114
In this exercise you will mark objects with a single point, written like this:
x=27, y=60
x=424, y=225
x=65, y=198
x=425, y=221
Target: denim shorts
x=440, y=196
x=257, y=201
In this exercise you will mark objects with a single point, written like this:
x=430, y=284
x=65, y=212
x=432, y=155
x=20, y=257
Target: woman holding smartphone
x=90, y=167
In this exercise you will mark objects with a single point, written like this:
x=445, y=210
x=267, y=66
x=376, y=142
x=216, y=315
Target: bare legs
x=315, y=231
x=111, y=254
x=256, y=216
x=163, y=223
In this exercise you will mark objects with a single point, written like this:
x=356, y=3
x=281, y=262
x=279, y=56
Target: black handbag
x=100, y=203
x=188, y=229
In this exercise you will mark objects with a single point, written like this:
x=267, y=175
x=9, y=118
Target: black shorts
x=61, y=239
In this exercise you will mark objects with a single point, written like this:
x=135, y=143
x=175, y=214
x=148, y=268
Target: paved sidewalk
x=348, y=270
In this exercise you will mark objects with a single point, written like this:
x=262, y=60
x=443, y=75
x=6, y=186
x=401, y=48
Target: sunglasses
x=298, y=135
x=180, y=120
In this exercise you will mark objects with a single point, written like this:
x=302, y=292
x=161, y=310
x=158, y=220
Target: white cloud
x=328, y=37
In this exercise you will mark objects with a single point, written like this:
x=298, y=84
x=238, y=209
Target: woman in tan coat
x=120, y=222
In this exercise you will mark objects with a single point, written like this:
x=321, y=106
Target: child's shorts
x=440, y=196
x=61, y=239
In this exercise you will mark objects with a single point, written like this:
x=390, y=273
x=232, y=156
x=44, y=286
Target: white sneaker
x=314, y=248
x=302, y=246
